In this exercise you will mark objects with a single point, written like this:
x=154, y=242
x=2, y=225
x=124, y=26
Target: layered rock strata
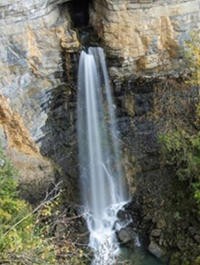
x=35, y=38
x=147, y=36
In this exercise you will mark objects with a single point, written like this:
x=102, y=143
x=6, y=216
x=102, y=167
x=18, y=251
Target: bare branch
x=52, y=195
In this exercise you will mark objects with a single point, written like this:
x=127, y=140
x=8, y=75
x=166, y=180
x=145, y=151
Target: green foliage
x=196, y=187
x=26, y=236
x=12, y=209
x=182, y=150
x=17, y=237
x=180, y=147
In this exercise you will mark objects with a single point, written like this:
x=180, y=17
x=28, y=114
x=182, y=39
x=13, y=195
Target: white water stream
x=102, y=183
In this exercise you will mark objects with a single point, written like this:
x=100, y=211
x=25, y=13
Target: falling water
x=103, y=187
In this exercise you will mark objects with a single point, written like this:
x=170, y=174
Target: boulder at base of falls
x=126, y=235
x=156, y=250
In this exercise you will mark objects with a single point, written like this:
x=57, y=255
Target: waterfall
x=101, y=176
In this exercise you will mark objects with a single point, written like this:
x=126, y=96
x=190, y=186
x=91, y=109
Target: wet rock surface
x=125, y=235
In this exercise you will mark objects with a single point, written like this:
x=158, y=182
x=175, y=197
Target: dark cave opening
x=79, y=11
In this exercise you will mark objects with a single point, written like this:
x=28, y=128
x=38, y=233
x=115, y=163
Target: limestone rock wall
x=147, y=35
x=35, y=37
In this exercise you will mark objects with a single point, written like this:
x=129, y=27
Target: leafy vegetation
x=181, y=147
x=182, y=150
x=178, y=111
x=28, y=236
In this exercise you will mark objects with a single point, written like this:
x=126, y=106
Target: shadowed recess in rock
x=80, y=12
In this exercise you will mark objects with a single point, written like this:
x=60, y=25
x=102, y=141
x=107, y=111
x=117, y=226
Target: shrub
x=181, y=150
x=181, y=146
x=26, y=236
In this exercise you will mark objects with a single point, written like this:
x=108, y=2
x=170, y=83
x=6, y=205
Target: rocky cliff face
x=162, y=209
x=34, y=42
x=37, y=49
x=148, y=35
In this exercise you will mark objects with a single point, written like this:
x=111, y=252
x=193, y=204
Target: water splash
x=104, y=189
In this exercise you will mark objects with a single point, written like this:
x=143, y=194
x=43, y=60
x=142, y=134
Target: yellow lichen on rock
x=68, y=38
x=17, y=134
x=146, y=35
